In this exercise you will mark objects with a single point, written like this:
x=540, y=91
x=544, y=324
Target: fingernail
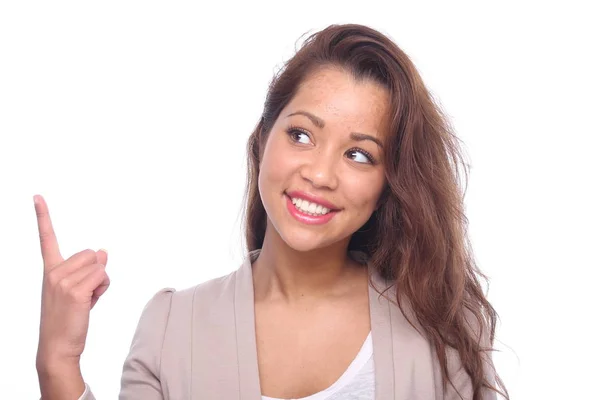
x=104, y=250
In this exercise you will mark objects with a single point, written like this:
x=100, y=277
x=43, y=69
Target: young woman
x=359, y=281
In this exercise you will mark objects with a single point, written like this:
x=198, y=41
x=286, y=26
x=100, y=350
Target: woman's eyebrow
x=315, y=120
x=321, y=124
x=363, y=136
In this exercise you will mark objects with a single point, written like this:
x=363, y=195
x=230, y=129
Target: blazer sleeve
x=463, y=387
x=141, y=369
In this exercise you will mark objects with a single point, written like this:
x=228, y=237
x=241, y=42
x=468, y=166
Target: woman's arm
x=461, y=387
x=60, y=380
x=460, y=379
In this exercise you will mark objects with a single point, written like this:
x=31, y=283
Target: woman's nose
x=320, y=170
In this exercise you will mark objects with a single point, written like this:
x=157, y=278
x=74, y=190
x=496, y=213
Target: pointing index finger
x=48, y=242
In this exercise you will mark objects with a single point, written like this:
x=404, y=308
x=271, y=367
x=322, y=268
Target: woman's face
x=321, y=173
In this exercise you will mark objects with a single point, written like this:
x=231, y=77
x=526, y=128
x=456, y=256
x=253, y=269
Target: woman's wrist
x=60, y=379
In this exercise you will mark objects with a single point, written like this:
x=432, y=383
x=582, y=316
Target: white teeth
x=310, y=208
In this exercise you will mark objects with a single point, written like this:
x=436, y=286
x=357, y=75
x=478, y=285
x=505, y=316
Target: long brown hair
x=417, y=238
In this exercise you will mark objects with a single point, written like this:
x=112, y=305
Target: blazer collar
x=381, y=332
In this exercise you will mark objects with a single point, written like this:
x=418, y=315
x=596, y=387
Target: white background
x=131, y=118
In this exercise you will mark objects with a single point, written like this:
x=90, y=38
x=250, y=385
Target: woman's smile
x=309, y=212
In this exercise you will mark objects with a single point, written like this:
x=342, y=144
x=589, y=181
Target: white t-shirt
x=356, y=383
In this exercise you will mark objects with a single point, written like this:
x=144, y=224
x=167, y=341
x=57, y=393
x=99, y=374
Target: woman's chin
x=305, y=243
x=300, y=243
x=303, y=238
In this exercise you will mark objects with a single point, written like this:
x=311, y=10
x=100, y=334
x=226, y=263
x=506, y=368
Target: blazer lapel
x=381, y=333
x=224, y=359
x=402, y=355
x=249, y=380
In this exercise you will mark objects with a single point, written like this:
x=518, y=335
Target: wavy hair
x=417, y=238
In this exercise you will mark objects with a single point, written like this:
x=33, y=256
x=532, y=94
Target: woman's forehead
x=336, y=96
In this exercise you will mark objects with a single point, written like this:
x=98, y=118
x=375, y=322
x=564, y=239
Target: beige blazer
x=199, y=344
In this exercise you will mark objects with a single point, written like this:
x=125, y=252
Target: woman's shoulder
x=212, y=288
x=175, y=310
x=169, y=302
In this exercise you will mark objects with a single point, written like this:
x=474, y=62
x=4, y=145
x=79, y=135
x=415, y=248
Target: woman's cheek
x=278, y=165
x=365, y=193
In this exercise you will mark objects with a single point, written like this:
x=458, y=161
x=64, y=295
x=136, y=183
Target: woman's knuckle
x=73, y=295
x=88, y=253
x=65, y=284
x=52, y=278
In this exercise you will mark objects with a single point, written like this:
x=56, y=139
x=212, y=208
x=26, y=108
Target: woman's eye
x=299, y=136
x=360, y=157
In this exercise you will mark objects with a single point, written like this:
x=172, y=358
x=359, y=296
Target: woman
x=359, y=281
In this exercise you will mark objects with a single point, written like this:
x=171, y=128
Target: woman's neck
x=283, y=273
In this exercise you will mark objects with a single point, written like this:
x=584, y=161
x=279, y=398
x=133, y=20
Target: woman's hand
x=70, y=289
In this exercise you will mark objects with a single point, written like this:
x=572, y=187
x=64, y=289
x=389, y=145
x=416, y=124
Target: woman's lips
x=297, y=194
x=306, y=218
